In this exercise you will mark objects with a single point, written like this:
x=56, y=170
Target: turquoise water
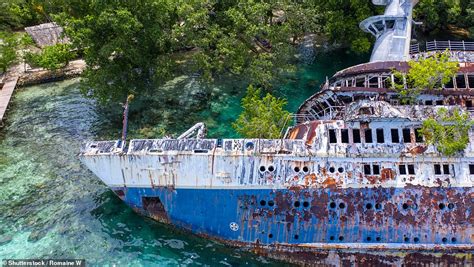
x=52, y=207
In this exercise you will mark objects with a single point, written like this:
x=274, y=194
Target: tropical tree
x=52, y=57
x=449, y=131
x=262, y=117
x=8, y=45
x=428, y=73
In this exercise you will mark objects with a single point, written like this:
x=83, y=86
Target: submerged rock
x=36, y=235
x=5, y=239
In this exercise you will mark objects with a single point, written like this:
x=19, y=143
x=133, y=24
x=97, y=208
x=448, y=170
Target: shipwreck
x=353, y=181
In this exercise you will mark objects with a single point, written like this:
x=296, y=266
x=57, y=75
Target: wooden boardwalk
x=6, y=94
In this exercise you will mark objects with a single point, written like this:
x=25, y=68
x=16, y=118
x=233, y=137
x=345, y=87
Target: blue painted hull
x=407, y=216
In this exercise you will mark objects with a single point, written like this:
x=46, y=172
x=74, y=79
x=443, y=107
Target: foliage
x=437, y=15
x=449, y=132
x=8, y=45
x=425, y=74
x=341, y=18
x=52, y=57
x=262, y=117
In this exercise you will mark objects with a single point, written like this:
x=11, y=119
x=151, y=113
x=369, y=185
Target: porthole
x=378, y=206
x=271, y=168
x=450, y=206
x=441, y=206
x=306, y=204
x=340, y=169
x=296, y=204
x=297, y=169
x=368, y=206
x=263, y=202
x=332, y=205
x=342, y=205
x=249, y=146
x=262, y=168
x=305, y=169
x=271, y=203
x=332, y=169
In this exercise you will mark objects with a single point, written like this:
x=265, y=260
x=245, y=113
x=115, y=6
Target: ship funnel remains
x=392, y=30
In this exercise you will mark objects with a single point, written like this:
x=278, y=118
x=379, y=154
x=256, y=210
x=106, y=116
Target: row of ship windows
x=404, y=169
x=380, y=137
x=374, y=169
x=386, y=81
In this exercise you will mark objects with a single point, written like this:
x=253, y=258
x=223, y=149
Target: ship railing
x=450, y=45
x=327, y=113
x=433, y=46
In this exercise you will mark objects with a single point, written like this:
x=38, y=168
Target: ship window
x=374, y=82
x=387, y=82
x=402, y=170
x=360, y=82
x=406, y=135
x=356, y=135
x=470, y=78
x=437, y=169
x=395, y=136
x=332, y=136
x=449, y=84
x=446, y=168
x=380, y=138
x=389, y=24
x=418, y=135
x=344, y=135
x=411, y=169
x=367, y=169
x=368, y=136
x=469, y=104
x=460, y=81
x=471, y=169
x=397, y=80
x=376, y=169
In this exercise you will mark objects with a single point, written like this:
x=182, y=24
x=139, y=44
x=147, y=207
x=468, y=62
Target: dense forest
x=135, y=42
x=132, y=47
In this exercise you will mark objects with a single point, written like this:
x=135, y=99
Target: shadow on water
x=52, y=207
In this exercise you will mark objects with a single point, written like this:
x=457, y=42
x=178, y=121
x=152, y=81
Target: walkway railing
x=442, y=46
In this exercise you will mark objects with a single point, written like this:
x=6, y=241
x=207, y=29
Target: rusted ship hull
x=393, y=226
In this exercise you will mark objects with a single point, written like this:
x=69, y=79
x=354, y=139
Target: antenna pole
x=125, y=120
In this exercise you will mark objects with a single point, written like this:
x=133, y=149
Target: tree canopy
x=449, y=131
x=52, y=57
x=8, y=45
x=428, y=73
x=262, y=117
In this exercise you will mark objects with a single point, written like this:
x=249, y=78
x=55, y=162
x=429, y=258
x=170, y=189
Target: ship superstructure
x=353, y=181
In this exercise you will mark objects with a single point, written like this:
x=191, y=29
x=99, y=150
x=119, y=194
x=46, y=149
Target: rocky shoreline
x=39, y=76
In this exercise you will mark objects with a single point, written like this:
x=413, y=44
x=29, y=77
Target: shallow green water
x=52, y=207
